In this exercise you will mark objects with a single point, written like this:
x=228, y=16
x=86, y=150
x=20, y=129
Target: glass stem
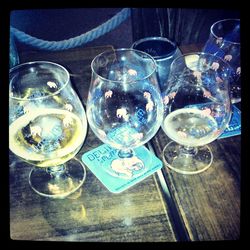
x=56, y=171
x=189, y=151
x=125, y=153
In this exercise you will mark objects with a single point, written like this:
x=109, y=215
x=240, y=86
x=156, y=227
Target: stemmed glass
x=47, y=127
x=124, y=106
x=224, y=42
x=197, y=109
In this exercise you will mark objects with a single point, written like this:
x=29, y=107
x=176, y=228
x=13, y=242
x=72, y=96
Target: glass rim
x=124, y=49
x=220, y=21
x=201, y=53
x=157, y=38
x=39, y=62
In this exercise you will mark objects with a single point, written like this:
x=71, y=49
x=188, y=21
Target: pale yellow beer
x=47, y=137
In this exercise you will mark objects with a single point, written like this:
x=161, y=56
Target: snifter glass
x=197, y=109
x=224, y=42
x=124, y=106
x=47, y=127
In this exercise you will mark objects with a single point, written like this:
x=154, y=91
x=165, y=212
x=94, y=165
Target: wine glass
x=197, y=109
x=224, y=41
x=47, y=127
x=124, y=106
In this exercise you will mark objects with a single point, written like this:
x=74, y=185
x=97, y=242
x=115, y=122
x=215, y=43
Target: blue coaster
x=234, y=127
x=117, y=175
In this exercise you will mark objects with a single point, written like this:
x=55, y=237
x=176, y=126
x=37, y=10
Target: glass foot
x=59, y=181
x=183, y=161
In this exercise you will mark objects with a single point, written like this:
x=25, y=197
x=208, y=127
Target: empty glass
x=124, y=106
x=224, y=42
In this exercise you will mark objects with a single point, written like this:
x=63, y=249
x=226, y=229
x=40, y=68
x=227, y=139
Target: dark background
x=60, y=24
x=182, y=25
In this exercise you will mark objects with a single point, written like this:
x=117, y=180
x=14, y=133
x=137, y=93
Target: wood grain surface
x=208, y=203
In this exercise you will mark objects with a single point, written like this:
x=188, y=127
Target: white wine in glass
x=47, y=127
x=197, y=109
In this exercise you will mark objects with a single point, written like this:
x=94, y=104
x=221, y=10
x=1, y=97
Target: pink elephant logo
x=122, y=113
x=127, y=167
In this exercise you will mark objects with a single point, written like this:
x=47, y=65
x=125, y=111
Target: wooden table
x=165, y=207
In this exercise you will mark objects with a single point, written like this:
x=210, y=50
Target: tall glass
x=224, y=42
x=124, y=106
x=47, y=127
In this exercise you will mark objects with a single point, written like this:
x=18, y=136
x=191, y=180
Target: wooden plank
x=92, y=214
x=209, y=202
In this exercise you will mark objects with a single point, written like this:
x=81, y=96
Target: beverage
x=190, y=127
x=47, y=137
